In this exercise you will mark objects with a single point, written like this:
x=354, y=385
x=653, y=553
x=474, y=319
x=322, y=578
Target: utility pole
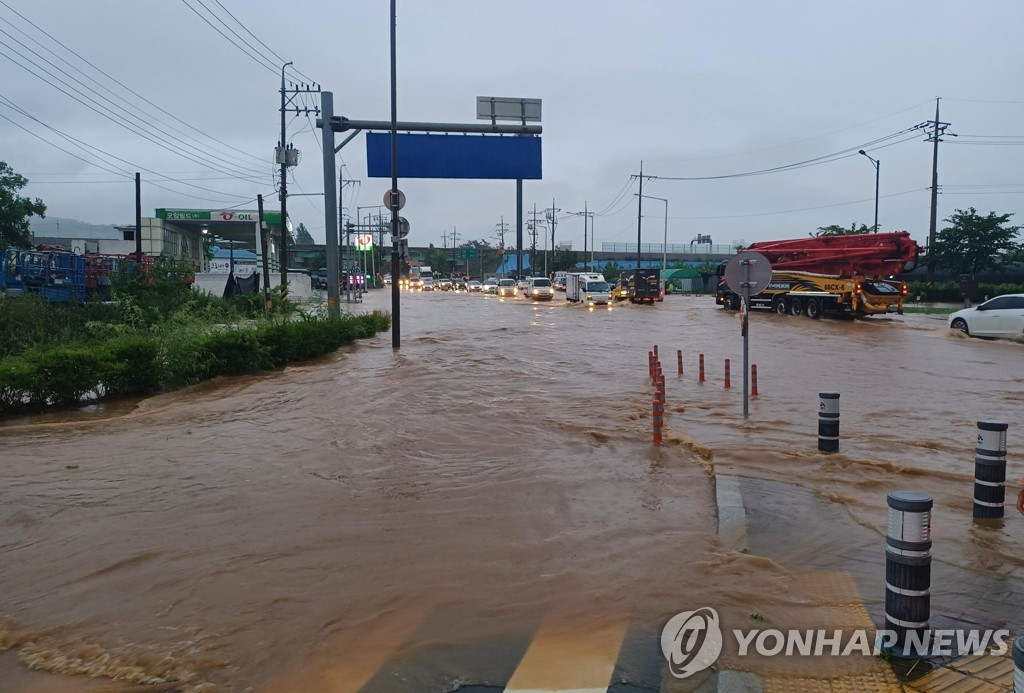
x=533, y=247
x=138, y=219
x=287, y=156
x=264, y=252
x=639, y=210
x=586, y=215
x=502, y=228
x=935, y=130
x=551, y=214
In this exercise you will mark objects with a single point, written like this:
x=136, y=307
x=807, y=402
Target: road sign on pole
x=387, y=198
x=468, y=252
x=403, y=227
x=747, y=273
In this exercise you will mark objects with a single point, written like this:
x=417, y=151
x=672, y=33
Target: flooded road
x=413, y=521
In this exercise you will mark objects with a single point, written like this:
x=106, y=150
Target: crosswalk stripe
x=570, y=655
x=345, y=664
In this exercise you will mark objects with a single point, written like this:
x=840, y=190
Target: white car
x=490, y=286
x=1002, y=316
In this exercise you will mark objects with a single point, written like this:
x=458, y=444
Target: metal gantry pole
x=330, y=205
x=396, y=333
x=519, y=228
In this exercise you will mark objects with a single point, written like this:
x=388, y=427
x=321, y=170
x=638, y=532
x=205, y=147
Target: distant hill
x=60, y=227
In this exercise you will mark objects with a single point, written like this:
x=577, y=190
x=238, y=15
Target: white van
x=586, y=287
x=540, y=289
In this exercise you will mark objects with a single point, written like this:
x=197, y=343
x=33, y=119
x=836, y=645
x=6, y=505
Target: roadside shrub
x=950, y=291
x=133, y=366
x=29, y=320
x=63, y=375
x=181, y=351
x=234, y=351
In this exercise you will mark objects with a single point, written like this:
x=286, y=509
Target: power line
x=260, y=60
x=116, y=81
x=280, y=60
x=802, y=209
x=86, y=146
x=824, y=159
x=117, y=119
x=789, y=144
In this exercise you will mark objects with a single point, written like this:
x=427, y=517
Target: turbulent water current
x=408, y=520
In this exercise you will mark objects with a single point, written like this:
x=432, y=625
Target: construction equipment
x=845, y=274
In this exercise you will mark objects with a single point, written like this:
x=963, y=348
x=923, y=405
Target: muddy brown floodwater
x=409, y=521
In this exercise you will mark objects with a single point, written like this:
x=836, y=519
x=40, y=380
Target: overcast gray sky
x=694, y=89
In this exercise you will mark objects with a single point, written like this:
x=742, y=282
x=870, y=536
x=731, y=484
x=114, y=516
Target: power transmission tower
x=935, y=130
x=287, y=155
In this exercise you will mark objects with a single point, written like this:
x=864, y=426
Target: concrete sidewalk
x=770, y=519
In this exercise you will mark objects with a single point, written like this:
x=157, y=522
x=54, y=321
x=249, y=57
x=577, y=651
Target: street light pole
x=877, y=163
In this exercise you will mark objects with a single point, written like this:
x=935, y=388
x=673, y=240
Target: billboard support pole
x=396, y=303
x=330, y=207
x=519, y=228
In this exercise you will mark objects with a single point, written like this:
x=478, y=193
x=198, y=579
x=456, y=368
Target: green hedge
x=139, y=364
x=950, y=291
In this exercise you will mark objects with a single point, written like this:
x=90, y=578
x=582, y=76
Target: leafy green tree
x=836, y=230
x=15, y=210
x=611, y=272
x=437, y=261
x=562, y=261
x=302, y=236
x=973, y=243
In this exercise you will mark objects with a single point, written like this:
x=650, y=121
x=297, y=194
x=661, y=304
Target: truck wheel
x=814, y=308
x=779, y=305
x=732, y=302
x=796, y=307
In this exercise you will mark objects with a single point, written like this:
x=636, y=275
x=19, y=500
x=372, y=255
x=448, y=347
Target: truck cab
x=581, y=287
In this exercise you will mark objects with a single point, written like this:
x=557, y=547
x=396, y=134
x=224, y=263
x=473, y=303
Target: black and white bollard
x=990, y=469
x=1018, y=665
x=828, y=422
x=908, y=571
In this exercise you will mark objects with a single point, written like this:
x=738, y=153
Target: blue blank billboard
x=504, y=157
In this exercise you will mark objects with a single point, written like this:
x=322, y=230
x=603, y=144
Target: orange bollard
x=728, y=384
x=679, y=360
x=753, y=380
x=700, y=369
x=650, y=364
x=655, y=351
x=657, y=418
x=659, y=389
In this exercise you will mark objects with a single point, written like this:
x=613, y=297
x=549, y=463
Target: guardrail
x=675, y=248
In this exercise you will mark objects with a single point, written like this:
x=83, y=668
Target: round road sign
x=403, y=227
x=748, y=273
x=387, y=198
